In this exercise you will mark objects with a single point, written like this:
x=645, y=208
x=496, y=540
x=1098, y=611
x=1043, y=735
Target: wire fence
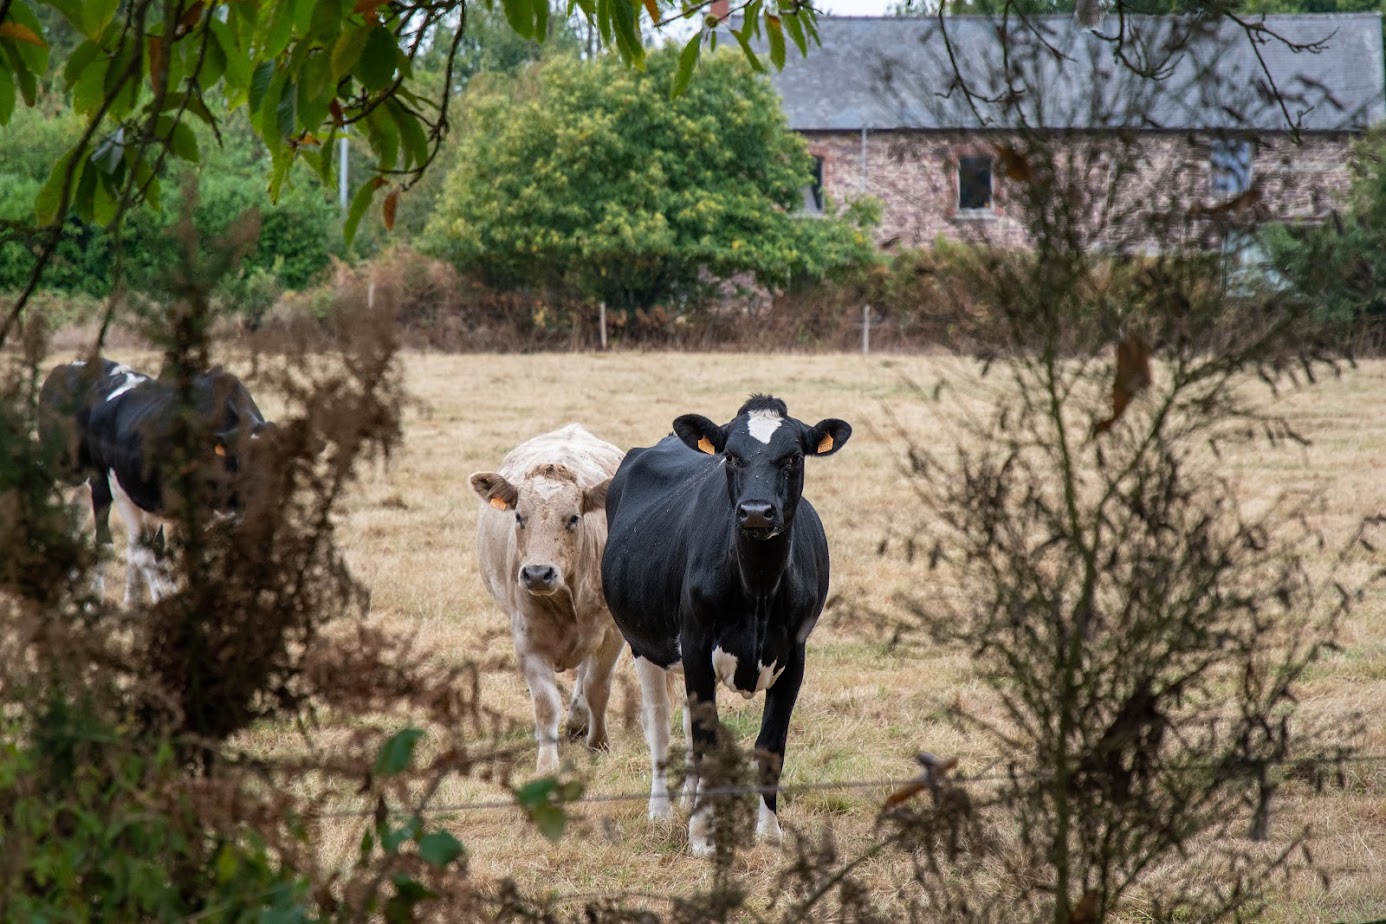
x=891, y=783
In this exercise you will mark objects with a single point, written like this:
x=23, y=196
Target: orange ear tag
x=706, y=446
x=499, y=504
x=826, y=444
x=220, y=450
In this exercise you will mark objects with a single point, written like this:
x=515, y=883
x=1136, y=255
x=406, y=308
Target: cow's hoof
x=598, y=743
x=700, y=833
x=547, y=764
x=576, y=732
x=660, y=809
x=768, y=825
x=688, y=797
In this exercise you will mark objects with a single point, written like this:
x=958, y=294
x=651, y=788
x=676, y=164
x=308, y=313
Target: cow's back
x=655, y=516
x=64, y=409
x=592, y=460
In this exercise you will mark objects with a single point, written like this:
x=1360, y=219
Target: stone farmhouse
x=941, y=120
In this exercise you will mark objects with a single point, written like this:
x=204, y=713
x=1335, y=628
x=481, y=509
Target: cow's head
x=243, y=447
x=547, y=507
x=763, y=451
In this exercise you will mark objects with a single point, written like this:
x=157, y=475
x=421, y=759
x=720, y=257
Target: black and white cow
x=715, y=565
x=117, y=430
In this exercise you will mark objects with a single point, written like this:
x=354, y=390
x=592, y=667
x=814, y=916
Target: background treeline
x=577, y=183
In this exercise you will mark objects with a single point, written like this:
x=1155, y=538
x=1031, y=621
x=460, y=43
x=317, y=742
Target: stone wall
x=1140, y=192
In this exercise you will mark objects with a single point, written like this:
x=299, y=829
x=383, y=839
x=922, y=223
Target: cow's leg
x=690, y=779
x=99, y=490
x=654, y=718
x=543, y=692
x=141, y=563
x=770, y=743
x=700, y=685
x=600, y=667
x=579, y=713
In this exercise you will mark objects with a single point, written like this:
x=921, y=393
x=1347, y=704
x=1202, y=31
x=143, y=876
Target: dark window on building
x=1229, y=167
x=974, y=183
x=813, y=192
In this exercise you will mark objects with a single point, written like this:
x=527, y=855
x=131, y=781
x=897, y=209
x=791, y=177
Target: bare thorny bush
x=124, y=793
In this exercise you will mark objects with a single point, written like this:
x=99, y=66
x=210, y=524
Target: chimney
x=721, y=9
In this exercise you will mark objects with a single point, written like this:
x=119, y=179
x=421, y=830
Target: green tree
x=142, y=71
x=585, y=176
x=1342, y=263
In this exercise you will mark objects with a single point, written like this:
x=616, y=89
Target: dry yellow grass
x=864, y=710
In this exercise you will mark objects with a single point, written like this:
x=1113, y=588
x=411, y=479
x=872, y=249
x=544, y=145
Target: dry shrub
x=120, y=763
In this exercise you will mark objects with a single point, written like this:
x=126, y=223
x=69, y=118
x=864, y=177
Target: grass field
x=865, y=709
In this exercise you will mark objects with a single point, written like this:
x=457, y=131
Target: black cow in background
x=715, y=565
x=116, y=430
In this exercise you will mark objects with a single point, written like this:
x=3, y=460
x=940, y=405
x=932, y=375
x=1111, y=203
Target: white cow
x=541, y=531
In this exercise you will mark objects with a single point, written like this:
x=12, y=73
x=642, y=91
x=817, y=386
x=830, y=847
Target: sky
x=853, y=7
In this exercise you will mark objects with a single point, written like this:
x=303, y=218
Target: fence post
x=865, y=329
x=601, y=321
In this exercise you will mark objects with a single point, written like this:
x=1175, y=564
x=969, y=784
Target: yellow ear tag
x=706, y=446
x=221, y=450
x=826, y=444
x=499, y=504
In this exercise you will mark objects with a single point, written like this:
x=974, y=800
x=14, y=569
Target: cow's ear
x=826, y=437
x=495, y=490
x=697, y=432
x=594, y=498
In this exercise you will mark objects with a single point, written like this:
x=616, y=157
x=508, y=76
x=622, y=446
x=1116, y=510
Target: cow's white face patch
x=132, y=378
x=763, y=424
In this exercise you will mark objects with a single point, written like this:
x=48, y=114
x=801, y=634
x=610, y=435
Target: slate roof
x=895, y=73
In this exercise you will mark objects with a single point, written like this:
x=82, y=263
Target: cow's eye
x=573, y=521
x=733, y=460
x=519, y=521
x=789, y=464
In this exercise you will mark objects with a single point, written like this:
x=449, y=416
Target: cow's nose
x=539, y=577
x=754, y=515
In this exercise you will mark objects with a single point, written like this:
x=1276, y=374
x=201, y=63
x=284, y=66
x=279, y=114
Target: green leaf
x=378, y=60
x=550, y=820
x=796, y=32
x=347, y=51
x=626, y=27
x=105, y=198
x=35, y=57
x=183, y=143
x=439, y=848
x=536, y=792
x=286, y=111
x=47, y=200
x=260, y=83
x=282, y=163
x=775, y=34
x=397, y=752
x=520, y=15
x=90, y=90
x=743, y=39
x=80, y=59
x=238, y=75
x=7, y=92
x=688, y=59
x=384, y=138
x=280, y=30
x=399, y=909
x=28, y=81
x=391, y=839
x=411, y=133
